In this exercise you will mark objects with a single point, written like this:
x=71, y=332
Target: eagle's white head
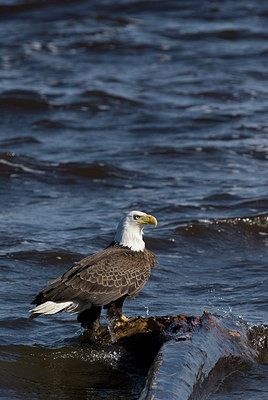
x=130, y=229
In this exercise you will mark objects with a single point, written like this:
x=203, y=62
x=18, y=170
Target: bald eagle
x=104, y=279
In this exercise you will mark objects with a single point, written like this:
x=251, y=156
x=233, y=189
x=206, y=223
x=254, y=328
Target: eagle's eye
x=136, y=216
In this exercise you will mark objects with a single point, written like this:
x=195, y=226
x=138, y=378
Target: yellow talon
x=123, y=318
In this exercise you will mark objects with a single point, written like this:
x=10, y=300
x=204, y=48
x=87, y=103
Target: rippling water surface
x=112, y=106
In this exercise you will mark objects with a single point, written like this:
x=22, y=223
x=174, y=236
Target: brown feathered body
x=104, y=279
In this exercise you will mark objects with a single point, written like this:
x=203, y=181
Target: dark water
x=112, y=106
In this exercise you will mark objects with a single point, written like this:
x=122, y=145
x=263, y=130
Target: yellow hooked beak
x=147, y=219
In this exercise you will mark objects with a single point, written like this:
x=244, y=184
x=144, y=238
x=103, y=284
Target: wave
x=72, y=352
x=45, y=257
x=65, y=172
x=97, y=101
x=251, y=225
x=32, y=371
x=15, y=6
x=19, y=140
x=92, y=100
x=11, y=165
x=23, y=99
x=46, y=123
x=110, y=97
x=16, y=323
x=169, y=151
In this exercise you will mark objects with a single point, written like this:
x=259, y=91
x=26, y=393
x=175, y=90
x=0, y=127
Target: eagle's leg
x=90, y=317
x=114, y=310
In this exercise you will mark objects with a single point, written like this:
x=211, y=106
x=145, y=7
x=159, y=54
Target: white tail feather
x=49, y=307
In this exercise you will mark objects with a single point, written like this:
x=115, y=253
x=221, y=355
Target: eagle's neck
x=130, y=235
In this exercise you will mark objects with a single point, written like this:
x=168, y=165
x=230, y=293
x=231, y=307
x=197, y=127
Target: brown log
x=183, y=357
